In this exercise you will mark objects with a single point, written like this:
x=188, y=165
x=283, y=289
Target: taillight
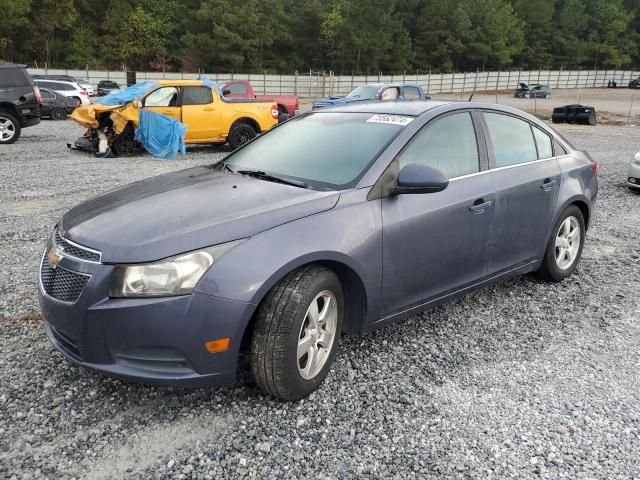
x=274, y=111
x=36, y=92
x=595, y=167
x=84, y=92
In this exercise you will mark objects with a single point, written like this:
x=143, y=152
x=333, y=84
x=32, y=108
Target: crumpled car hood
x=186, y=210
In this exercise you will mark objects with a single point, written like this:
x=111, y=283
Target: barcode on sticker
x=391, y=119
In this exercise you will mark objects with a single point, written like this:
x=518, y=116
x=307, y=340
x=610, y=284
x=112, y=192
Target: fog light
x=219, y=345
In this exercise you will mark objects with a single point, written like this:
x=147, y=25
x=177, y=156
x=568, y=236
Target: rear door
x=526, y=176
x=435, y=243
x=200, y=114
x=164, y=100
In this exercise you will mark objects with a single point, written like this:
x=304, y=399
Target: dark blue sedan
x=341, y=220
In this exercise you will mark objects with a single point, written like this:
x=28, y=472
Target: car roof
x=181, y=83
x=381, y=85
x=12, y=65
x=55, y=81
x=411, y=108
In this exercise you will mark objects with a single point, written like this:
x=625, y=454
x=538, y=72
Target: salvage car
x=340, y=220
x=289, y=104
x=532, y=91
x=210, y=118
x=633, y=175
x=56, y=106
x=19, y=102
x=378, y=91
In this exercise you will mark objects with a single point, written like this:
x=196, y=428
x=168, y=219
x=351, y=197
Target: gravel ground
x=522, y=380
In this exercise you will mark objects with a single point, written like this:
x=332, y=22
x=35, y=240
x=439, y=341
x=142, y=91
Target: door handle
x=479, y=206
x=209, y=109
x=548, y=184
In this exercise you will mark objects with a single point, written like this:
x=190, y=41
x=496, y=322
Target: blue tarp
x=124, y=96
x=161, y=135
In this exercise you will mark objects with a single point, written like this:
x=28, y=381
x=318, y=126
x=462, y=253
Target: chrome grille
x=76, y=251
x=60, y=283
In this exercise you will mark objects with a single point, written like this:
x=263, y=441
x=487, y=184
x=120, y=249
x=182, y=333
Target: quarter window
x=447, y=144
x=543, y=141
x=162, y=97
x=196, y=96
x=511, y=138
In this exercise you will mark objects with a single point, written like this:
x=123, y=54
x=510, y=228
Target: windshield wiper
x=272, y=178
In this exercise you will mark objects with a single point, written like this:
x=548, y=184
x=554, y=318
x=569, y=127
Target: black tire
x=277, y=329
x=58, y=114
x=11, y=124
x=549, y=269
x=240, y=134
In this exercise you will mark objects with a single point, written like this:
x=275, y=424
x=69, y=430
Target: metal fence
x=318, y=84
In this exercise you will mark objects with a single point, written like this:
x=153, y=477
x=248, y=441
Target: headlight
x=173, y=276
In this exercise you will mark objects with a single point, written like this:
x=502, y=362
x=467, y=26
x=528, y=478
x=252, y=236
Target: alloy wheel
x=317, y=334
x=7, y=129
x=567, y=243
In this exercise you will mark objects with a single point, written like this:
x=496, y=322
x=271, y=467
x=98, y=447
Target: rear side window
x=13, y=77
x=196, y=95
x=558, y=149
x=511, y=138
x=237, y=88
x=411, y=93
x=543, y=141
x=447, y=144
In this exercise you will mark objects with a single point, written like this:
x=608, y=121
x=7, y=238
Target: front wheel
x=58, y=114
x=565, y=246
x=296, y=333
x=241, y=134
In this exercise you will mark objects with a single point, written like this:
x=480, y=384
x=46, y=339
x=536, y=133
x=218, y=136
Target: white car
x=68, y=89
x=86, y=85
x=633, y=175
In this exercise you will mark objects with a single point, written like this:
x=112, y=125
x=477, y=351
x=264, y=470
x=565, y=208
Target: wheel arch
x=9, y=108
x=248, y=120
x=353, y=288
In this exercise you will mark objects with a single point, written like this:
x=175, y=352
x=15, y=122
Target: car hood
x=186, y=210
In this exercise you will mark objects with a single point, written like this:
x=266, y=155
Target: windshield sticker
x=391, y=119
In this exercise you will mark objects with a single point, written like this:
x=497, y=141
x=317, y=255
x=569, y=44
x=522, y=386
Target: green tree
x=48, y=18
x=14, y=16
x=537, y=16
x=610, y=40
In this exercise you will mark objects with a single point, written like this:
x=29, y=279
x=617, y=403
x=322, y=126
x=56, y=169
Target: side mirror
x=418, y=178
x=226, y=92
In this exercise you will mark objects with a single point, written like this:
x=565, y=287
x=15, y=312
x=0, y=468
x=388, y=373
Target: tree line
x=346, y=36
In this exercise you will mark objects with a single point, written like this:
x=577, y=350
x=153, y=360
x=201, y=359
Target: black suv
x=19, y=102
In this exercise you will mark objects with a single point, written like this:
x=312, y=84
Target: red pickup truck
x=288, y=104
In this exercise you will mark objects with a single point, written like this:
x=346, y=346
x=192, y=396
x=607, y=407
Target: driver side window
x=162, y=97
x=447, y=144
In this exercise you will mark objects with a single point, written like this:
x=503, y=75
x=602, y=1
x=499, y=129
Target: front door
x=164, y=100
x=200, y=114
x=526, y=176
x=436, y=243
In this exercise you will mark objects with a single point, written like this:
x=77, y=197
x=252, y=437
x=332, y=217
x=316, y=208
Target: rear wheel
x=296, y=333
x=240, y=134
x=58, y=114
x=9, y=128
x=565, y=246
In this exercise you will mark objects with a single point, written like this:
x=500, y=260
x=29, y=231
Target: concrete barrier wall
x=311, y=85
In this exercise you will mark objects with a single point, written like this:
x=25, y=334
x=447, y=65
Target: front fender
x=349, y=234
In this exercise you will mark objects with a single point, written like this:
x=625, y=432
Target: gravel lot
x=522, y=380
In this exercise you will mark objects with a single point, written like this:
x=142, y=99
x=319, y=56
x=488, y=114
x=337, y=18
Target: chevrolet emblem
x=53, y=257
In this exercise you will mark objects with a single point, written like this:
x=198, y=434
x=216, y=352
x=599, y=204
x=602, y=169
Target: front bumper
x=156, y=341
x=633, y=176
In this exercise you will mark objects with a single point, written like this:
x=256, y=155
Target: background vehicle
x=68, y=89
x=55, y=105
x=63, y=78
x=388, y=91
x=633, y=175
x=635, y=83
x=105, y=87
x=19, y=102
x=532, y=91
x=289, y=104
x=344, y=219
x=86, y=86
x=210, y=118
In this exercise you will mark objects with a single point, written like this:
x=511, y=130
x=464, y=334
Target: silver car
x=633, y=175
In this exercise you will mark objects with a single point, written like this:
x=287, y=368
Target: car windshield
x=328, y=151
x=364, y=92
x=109, y=84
